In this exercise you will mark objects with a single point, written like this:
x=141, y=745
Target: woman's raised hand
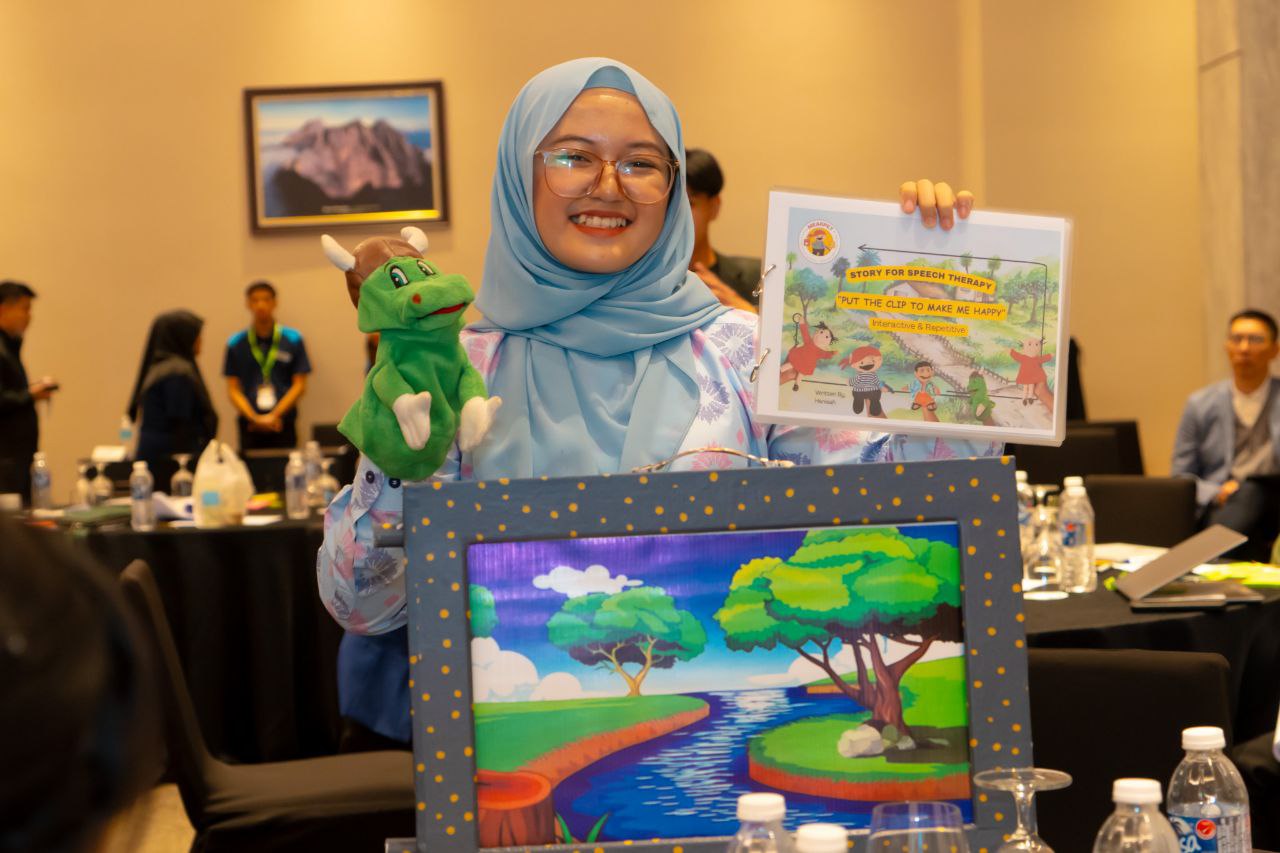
x=936, y=202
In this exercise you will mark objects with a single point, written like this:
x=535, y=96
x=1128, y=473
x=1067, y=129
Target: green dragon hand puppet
x=422, y=391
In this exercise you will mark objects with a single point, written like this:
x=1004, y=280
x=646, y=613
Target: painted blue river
x=687, y=783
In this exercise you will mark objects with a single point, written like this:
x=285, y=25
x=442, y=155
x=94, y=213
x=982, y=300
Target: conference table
x=259, y=650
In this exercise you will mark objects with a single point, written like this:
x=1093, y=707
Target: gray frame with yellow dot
x=443, y=519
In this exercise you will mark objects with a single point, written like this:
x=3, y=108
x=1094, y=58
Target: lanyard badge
x=266, y=396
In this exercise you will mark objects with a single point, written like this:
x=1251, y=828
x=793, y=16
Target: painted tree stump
x=515, y=809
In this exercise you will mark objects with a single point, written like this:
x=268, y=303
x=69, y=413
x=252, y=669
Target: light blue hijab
x=596, y=371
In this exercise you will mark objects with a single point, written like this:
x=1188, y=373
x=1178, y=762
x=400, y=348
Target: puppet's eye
x=426, y=270
x=394, y=482
x=398, y=278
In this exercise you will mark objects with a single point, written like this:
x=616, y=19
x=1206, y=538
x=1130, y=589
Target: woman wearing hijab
x=607, y=351
x=170, y=404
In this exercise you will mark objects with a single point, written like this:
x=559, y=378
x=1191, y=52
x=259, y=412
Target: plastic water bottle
x=1075, y=515
x=41, y=483
x=1136, y=826
x=295, y=486
x=314, y=459
x=822, y=838
x=82, y=493
x=143, y=515
x=126, y=430
x=761, y=830
x=1026, y=511
x=1208, y=803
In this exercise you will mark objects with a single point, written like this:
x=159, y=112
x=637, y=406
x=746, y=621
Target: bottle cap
x=1203, y=737
x=313, y=444
x=1136, y=792
x=1074, y=491
x=821, y=838
x=295, y=455
x=38, y=456
x=1072, y=481
x=1020, y=476
x=760, y=808
x=140, y=465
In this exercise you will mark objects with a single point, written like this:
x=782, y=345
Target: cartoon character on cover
x=866, y=382
x=803, y=358
x=422, y=390
x=1030, y=368
x=980, y=400
x=923, y=390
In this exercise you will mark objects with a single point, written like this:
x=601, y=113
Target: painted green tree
x=640, y=627
x=838, y=268
x=806, y=286
x=852, y=588
x=484, y=613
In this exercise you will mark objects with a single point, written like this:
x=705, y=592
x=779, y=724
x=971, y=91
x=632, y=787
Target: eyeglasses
x=1252, y=340
x=643, y=178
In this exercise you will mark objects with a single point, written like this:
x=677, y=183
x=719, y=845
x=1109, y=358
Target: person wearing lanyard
x=266, y=367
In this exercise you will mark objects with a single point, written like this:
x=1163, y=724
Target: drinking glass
x=183, y=481
x=1042, y=565
x=1023, y=782
x=326, y=484
x=917, y=828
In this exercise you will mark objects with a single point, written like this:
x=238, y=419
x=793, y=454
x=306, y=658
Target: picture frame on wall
x=326, y=156
x=611, y=661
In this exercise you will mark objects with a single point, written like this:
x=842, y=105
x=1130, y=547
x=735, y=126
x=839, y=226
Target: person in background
x=733, y=280
x=1229, y=438
x=79, y=705
x=607, y=351
x=170, y=404
x=266, y=368
x=19, y=424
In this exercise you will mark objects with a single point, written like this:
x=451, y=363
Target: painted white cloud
x=573, y=583
x=558, y=685
x=498, y=675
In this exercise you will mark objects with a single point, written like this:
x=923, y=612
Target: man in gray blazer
x=1229, y=437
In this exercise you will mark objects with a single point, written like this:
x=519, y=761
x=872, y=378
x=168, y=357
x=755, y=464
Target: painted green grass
x=510, y=734
x=934, y=693
x=808, y=748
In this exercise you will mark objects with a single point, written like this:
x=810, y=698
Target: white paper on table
x=1126, y=556
x=261, y=520
x=169, y=508
x=108, y=453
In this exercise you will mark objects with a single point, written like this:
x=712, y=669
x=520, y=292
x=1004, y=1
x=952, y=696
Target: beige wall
x=123, y=173
x=1090, y=112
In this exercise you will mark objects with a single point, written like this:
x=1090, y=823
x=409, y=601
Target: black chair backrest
x=1087, y=449
x=1101, y=715
x=188, y=754
x=1143, y=510
x=1127, y=442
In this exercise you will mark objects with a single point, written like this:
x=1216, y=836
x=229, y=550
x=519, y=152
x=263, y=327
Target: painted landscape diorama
x=878, y=322
x=633, y=687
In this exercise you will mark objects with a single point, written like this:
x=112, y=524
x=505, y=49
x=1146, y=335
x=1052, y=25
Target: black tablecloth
x=1247, y=635
x=258, y=649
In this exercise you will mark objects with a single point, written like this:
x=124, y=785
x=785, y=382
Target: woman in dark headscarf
x=170, y=403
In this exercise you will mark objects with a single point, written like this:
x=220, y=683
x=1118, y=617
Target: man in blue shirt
x=266, y=367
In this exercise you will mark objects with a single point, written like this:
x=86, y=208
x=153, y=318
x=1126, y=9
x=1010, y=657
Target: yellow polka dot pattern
x=974, y=494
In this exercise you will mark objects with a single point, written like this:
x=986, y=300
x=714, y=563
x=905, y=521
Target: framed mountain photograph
x=346, y=155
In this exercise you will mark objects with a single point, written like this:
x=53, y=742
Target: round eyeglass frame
x=546, y=153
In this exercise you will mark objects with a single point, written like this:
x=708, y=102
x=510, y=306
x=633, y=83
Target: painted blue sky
x=277, y=118
x=694, y=568
x=855, y=229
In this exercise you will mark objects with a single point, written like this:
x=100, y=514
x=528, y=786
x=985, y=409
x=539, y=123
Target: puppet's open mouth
x=448, y=310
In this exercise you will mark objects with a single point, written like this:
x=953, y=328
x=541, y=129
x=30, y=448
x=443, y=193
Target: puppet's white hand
x=477, y=417
x=413, y=411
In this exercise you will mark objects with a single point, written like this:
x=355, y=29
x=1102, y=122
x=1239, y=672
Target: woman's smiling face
x=603, y=232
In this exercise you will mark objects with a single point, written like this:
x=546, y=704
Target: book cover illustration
x=874, y=322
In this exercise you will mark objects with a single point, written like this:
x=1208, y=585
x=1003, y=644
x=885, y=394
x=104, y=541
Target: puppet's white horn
x=340, y=257
x=414, y=237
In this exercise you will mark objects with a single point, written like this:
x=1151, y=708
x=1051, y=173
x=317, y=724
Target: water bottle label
x=1211, y=835
x=139, y=493
x=41, y=479
x=1072, y=534
x=297, y=481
